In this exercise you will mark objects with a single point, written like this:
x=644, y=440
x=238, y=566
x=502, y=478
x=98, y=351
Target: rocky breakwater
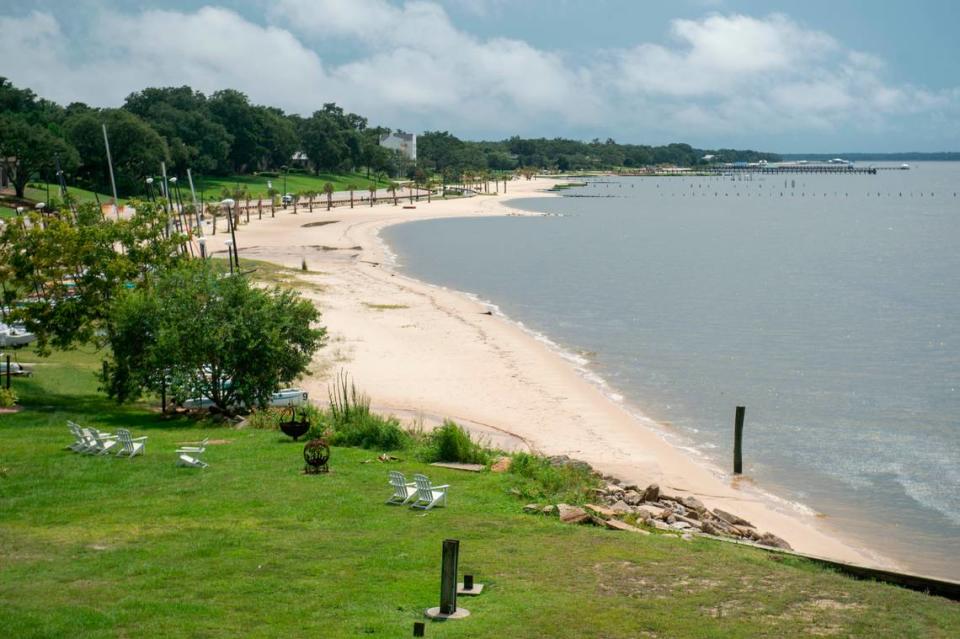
x=629, y=507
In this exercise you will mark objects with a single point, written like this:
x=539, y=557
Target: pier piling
x=738, y=440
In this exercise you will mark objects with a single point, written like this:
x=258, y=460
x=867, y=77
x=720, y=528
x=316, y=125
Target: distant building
x=299, y=159
x=406, y=143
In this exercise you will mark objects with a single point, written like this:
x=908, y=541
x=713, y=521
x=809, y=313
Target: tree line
x=225, y=134
x=441, y=151
x=221, y=134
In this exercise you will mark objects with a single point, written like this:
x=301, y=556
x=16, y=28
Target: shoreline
x=434, y=352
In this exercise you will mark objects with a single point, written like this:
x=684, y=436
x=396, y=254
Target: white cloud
x=411, y=67
x=210, y=49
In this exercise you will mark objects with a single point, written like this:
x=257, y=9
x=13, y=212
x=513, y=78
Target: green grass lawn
x=81, y=195
x=296, y=183
x=251, y=547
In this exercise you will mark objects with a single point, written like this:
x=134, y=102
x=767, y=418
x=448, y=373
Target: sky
x=793, y=77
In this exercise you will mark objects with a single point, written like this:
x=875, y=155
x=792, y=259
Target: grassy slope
x=96, y=547
x=257, y=185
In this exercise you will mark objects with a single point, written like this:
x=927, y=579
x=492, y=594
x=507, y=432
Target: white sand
x=439, y=355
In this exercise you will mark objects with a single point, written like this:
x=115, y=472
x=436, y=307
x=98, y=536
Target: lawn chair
x=429, y=495
x=189, y=456
x=403, y=491
x=195, y=449
x=80, y=441
x=99, y=443
x=130, y=446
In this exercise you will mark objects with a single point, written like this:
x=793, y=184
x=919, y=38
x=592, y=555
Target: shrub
x=370, y=431
x=538, y=479
x=269, y=174
x=8, y=398
x=451, y=443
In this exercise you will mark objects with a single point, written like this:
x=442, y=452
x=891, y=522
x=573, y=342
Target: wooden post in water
x=448, y=576
x=738, y=441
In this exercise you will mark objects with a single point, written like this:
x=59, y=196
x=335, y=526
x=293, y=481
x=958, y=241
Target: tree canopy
x=197, y=333
x=224, y=134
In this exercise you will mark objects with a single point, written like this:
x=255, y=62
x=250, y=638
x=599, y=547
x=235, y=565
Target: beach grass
x=252, y=547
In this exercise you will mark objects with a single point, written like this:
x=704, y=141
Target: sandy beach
x=426, y=353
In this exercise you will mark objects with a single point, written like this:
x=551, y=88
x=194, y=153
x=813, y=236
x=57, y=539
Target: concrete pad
x=436, y=615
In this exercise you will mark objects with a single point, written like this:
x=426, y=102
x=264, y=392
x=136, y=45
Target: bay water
x=828, y=305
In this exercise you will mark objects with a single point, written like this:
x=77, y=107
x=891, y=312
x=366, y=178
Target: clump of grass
x=267, y=419
x=451, y=443
x=385, y=307
x=352, y=423
x=538, y=479
x=8, y=398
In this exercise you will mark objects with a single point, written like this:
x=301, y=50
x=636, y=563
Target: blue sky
x=807, y=76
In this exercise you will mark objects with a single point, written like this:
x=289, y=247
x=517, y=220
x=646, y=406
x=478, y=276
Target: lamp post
x=228, y=204
x=150, y=188
x=202, y=241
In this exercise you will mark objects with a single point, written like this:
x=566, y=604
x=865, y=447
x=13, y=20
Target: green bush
x=451, y=443
x=8, y=398
x=539, y=480
x=371, y=431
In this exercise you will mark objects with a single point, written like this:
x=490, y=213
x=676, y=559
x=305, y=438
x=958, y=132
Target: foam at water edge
x=679, y=440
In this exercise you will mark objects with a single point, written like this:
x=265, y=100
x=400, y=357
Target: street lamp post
x=228, y=203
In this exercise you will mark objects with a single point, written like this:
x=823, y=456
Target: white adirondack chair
x=195, y=449
x=80, y=442
x=130, y=446
x=403, y=491
x=189, y=456
x=100, y=443
x=429, y=495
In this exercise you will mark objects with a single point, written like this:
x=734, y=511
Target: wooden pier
x=835, y=169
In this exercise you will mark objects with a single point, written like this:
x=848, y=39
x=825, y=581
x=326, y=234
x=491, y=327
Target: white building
x=406, y=143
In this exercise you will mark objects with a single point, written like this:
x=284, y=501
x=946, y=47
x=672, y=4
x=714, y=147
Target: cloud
x=408, y=65
x=209, y=49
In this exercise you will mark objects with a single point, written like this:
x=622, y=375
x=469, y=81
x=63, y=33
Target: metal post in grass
x=738, y=441
x=8, y=372
x=448, y=584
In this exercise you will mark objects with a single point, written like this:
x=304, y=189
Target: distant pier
x=841, y=169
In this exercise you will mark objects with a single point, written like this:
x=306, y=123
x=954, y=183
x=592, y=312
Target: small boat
x=285, y=397
x=15, y=336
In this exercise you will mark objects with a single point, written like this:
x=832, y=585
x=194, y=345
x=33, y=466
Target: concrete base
x=476, y=590
x=436, y=615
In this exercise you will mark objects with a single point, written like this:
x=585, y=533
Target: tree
x=60, y=277
x=29, y=149
x=373, y=192
x=351, y=187
x=182, y=116
x=137, y=150
x=328, y=190
x=241, y=344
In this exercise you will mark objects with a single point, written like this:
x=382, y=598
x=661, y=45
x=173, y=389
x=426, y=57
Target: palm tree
x=328, y=189
x=351, y=187
x=373, y=193
x=393, y=189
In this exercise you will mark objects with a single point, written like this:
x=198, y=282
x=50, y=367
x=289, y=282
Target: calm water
x=828, y=305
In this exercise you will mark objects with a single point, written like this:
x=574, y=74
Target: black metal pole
x=448, y=576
